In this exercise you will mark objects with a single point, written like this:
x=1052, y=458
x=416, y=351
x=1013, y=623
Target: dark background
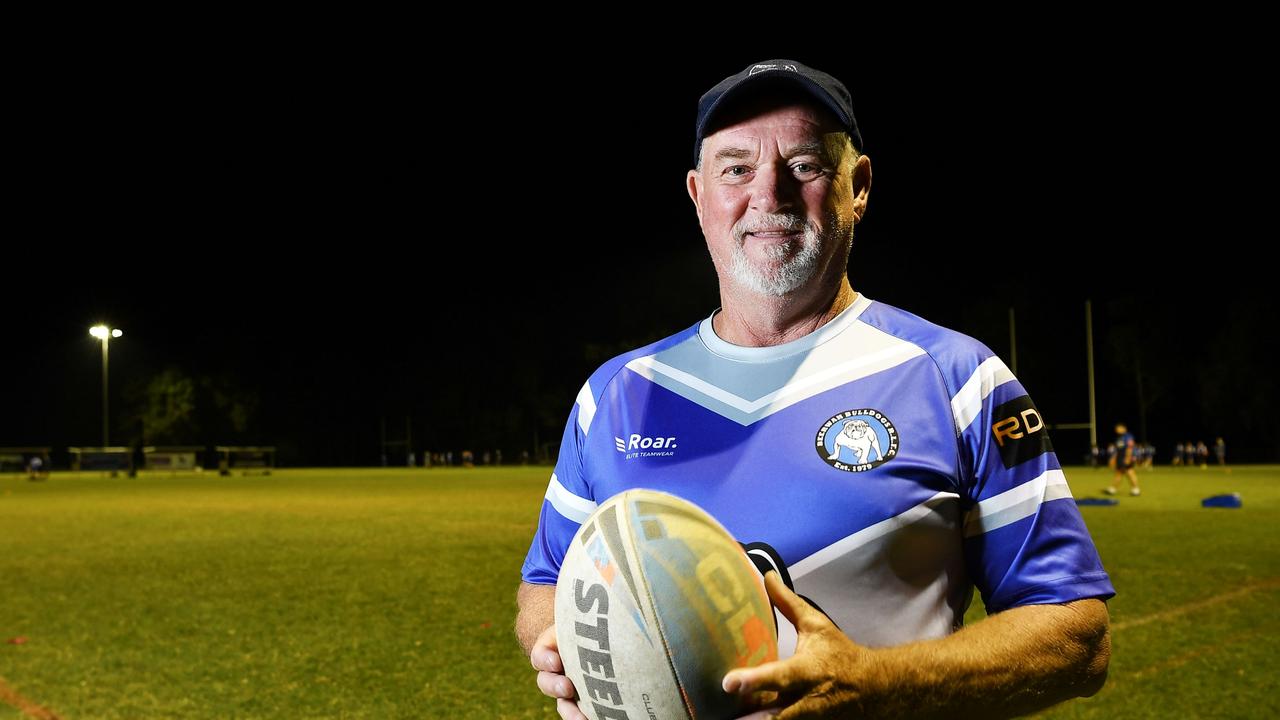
x=320, y=238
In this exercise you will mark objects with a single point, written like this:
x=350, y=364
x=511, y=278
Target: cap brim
x=755, y=83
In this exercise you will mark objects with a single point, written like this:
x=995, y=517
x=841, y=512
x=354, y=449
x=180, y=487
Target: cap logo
x=773, y=66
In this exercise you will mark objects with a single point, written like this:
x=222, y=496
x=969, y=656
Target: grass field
x=390, y=594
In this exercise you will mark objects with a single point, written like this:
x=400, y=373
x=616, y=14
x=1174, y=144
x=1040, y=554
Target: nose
x=773, y=189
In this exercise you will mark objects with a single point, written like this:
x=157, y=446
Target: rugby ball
x=654, y=604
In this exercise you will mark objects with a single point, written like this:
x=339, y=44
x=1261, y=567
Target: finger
x=548, y=638
x=766, y=709
x=793, y=607
x=556, y=686
x=569, y=710
x=545, y=655
x=779, y=675
x=547, y=660
x=761, y=715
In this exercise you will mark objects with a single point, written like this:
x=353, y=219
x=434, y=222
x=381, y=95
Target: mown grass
x=390, y=594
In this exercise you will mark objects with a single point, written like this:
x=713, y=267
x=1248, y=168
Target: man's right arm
x=569, y=501
x=537, y=613
x=536, y=631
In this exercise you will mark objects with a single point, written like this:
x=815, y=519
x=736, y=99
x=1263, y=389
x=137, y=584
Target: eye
x=806, y=169
x=736, y=170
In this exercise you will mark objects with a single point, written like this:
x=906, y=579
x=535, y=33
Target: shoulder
x=605, y=374
x=958, y=357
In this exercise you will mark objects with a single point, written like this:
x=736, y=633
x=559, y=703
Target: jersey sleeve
x=1024, y=539
x=568, y=500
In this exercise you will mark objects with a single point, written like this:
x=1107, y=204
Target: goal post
x=110, y=460
x=173, y=458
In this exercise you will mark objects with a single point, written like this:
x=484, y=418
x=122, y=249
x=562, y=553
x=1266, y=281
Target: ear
x=693, y=182
x=860, y=179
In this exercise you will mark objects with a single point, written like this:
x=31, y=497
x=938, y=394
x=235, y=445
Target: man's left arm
x=1029, y=553
x=1014, y=662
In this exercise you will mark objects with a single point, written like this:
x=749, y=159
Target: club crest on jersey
x=857, y=440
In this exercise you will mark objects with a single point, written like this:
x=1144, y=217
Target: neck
x=752, y=320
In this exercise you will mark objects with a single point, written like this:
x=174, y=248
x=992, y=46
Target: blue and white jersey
x=1124, y=448
x=886, y=464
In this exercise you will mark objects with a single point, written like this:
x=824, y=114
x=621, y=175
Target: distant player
x=36, y=469
x=1123, y=462
x=1220, y=450
x=1177, y=455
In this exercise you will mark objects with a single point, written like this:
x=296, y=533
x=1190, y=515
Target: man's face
x=777, y=197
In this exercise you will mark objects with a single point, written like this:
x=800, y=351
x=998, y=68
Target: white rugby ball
x=654, y=604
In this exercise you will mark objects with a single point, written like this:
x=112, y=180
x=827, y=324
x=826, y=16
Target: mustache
x=786, y=222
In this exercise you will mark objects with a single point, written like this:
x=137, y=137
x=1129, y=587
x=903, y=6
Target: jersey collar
x=774, y=352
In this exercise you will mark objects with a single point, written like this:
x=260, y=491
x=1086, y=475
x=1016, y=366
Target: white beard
x=782, y=274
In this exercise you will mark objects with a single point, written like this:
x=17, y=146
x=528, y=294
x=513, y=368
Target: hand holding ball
x=655, y=603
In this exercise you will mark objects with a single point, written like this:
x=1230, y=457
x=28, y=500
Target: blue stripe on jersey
x=555, y=530
x=568, y=470
x=1045, y=558
x=998, y=480
x=546, y=554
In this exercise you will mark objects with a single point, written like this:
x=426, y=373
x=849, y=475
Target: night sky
x=330, y=242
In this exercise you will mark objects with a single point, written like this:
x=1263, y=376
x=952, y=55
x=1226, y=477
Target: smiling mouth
x=774, y=233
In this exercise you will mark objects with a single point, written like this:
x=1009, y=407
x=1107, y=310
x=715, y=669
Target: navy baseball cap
x=829, y=91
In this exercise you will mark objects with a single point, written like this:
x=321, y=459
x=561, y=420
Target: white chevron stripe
x=967, y=404
x=1022, y=501
x=566, y=503
x=846, y=372
x=586, y=407
x=847, y=545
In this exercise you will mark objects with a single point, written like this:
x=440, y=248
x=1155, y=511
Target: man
x=962, y=488
x=1123, y=462
x=36, y=469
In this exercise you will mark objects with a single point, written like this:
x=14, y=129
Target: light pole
x=104, y=333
